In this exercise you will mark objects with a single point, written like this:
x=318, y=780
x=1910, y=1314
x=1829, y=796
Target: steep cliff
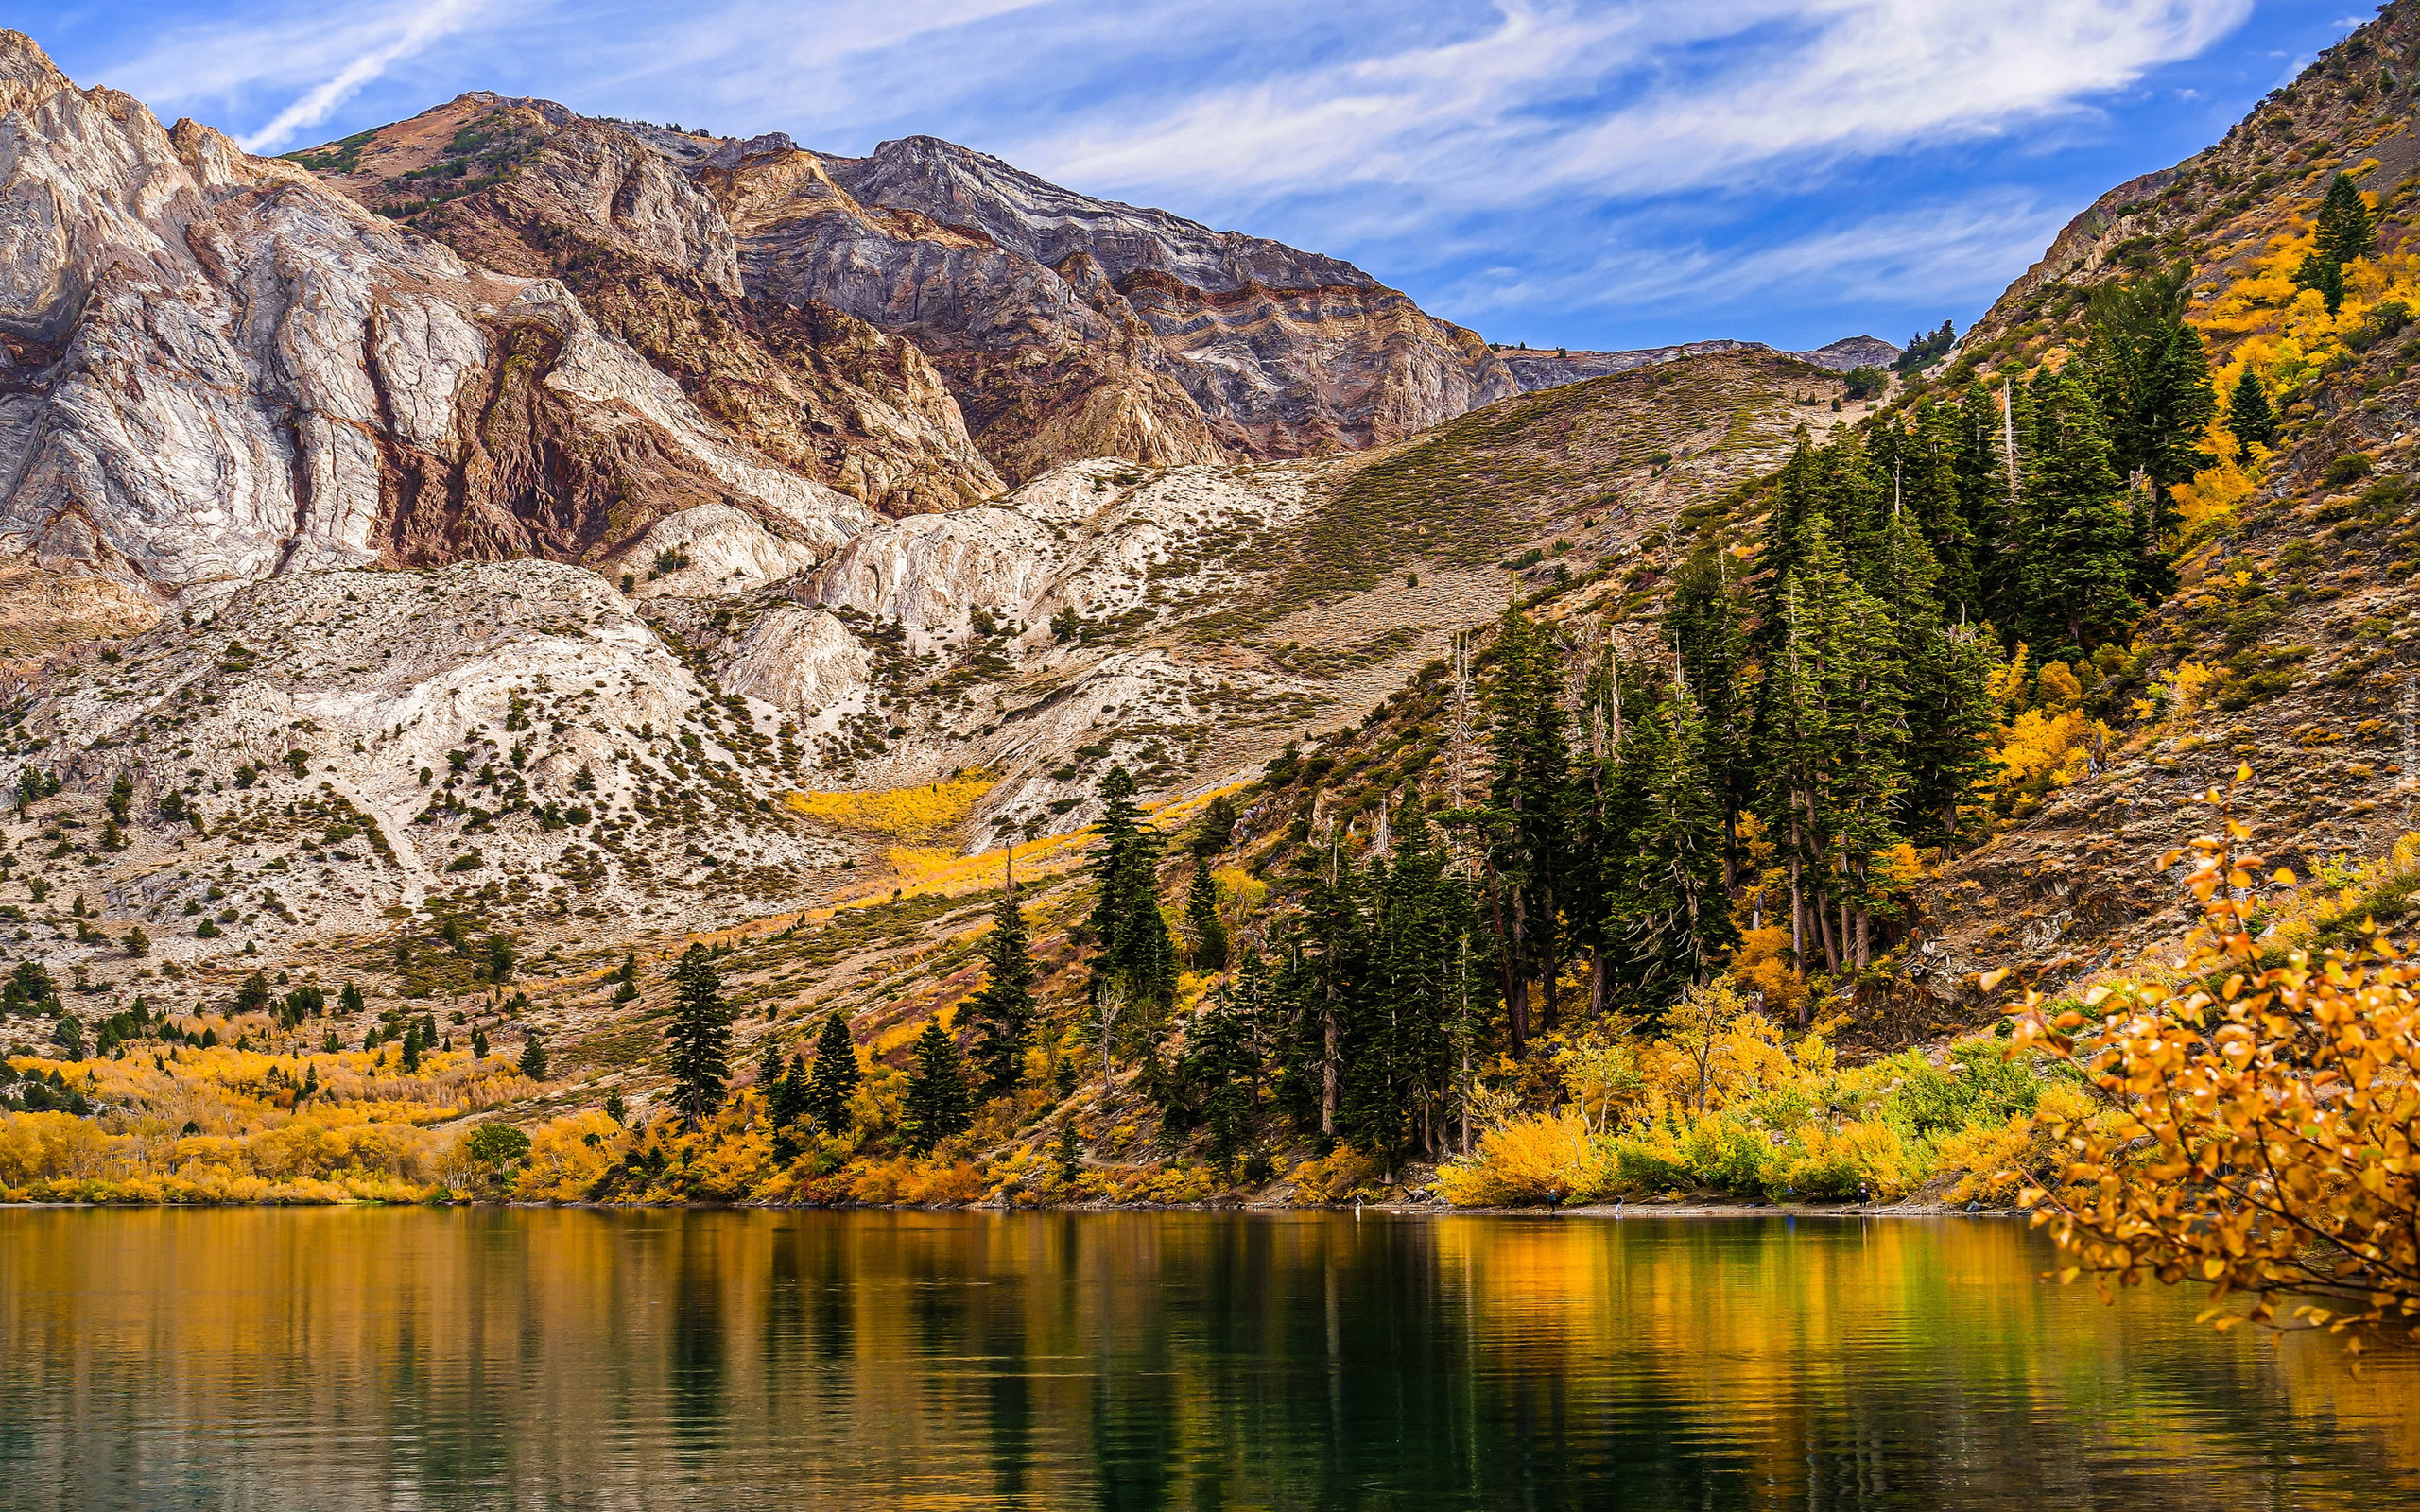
x=1281, y=353
x=525, y=187
x=775, y=284
x=216, y=370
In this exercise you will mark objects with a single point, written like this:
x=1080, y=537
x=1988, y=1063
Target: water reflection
x=574, y=1359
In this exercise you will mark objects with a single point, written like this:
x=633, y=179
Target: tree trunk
x=1597, y=983
x=1327, y=1065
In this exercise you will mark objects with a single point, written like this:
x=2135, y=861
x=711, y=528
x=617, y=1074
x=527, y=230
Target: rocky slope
x=528, y=188
x=1535, y=371
x=2296, y=604
x=1065, y=326
x=216, y=370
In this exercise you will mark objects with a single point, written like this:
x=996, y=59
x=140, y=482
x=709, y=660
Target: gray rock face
x=1043, y=223
x=1535, y=371
x=1166, y=341
x=610, y=209
x=219, y=370
x=359, y=740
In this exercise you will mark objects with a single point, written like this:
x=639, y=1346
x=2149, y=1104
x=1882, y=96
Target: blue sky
x=1612, y=173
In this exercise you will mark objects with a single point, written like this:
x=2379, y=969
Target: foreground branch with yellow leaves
x=2254, y=1126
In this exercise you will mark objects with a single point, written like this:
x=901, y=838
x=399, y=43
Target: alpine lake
x=541, y=1358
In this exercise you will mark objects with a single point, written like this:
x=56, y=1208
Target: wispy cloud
x=1644, y=97
x=421, y=25
x=1528, y=160
x=1938, y=253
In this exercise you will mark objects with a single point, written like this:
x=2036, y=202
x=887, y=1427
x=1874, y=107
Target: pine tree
x=769, y=1068
x=698, y=1035
x=1530, y=803
x=1711, y=644
x=1201, y=917
x=1224, y=1061
x=2324, y=274
x=2082, y=555
x=837, y=1076
x=348, y=999
x=2249, y=413
x=788, y=1103
x=1130, y=938
x=1002, y=1013
x=533, y=1058
x=121, y=798
x=1833, y=738
x=937, y=1106
x=1676, y=913
x=2345, y=230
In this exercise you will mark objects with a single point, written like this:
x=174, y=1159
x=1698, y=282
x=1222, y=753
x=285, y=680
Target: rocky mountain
x=1065, y=326
x=215, y=370
x=1535, y=371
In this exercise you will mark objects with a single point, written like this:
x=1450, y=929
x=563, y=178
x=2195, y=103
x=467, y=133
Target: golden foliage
x=1762, y=965
x=2256, y=1123
x=900, y=813
x=566, y=1157
x=1536, y=1157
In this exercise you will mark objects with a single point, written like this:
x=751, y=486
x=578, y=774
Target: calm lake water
x=341, y=1358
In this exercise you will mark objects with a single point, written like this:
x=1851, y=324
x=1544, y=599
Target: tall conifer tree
x=836, y=1078
x=935, y=1106
x=698, y=1035
x=1002, y=1012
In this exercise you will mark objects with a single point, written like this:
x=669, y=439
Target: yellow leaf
x=2283, y=877
x=1992, y=978
x=2243, y=773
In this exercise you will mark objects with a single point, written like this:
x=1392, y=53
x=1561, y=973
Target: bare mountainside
x=1067, y=326
x=1535, y=371
x=216, y=370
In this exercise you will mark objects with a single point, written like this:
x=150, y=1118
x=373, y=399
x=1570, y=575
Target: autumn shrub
x=566, y=1157
x=1536, y=1157
x=1862, y=1158
x=2253, y=1126
x=1340, y=1176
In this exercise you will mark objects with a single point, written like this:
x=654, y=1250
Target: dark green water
x=368, y=1358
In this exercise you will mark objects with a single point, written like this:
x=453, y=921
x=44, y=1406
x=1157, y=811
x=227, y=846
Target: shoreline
x=1601, y=1211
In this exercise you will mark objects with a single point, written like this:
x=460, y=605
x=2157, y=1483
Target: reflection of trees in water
x=1143, y=1361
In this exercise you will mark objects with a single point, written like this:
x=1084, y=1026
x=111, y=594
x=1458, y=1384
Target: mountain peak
x=28, y=77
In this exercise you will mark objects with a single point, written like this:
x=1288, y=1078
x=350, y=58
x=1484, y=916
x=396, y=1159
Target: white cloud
x=1641, y=98
x=422, y=25
x=1939, y=254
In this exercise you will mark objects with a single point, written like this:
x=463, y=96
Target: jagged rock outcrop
x=217, y=369
x=1281, y=353
x=527, y=187
x=777, y=284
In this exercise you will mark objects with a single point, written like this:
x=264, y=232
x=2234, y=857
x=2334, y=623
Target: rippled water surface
x=487, y=1358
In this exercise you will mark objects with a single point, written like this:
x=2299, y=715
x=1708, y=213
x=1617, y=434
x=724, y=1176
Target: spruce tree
x=2345, y=230
x=2080, y=559
x=533, y=1058
x=1002, y=1013
x=2249, y=413
x=1201, y=917
x=837, y=1076
x=789, y=1094
x=698, y=1035
x=1530, y=801
x=1130, y=938
x=937, y=1106
x=1677, y=913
